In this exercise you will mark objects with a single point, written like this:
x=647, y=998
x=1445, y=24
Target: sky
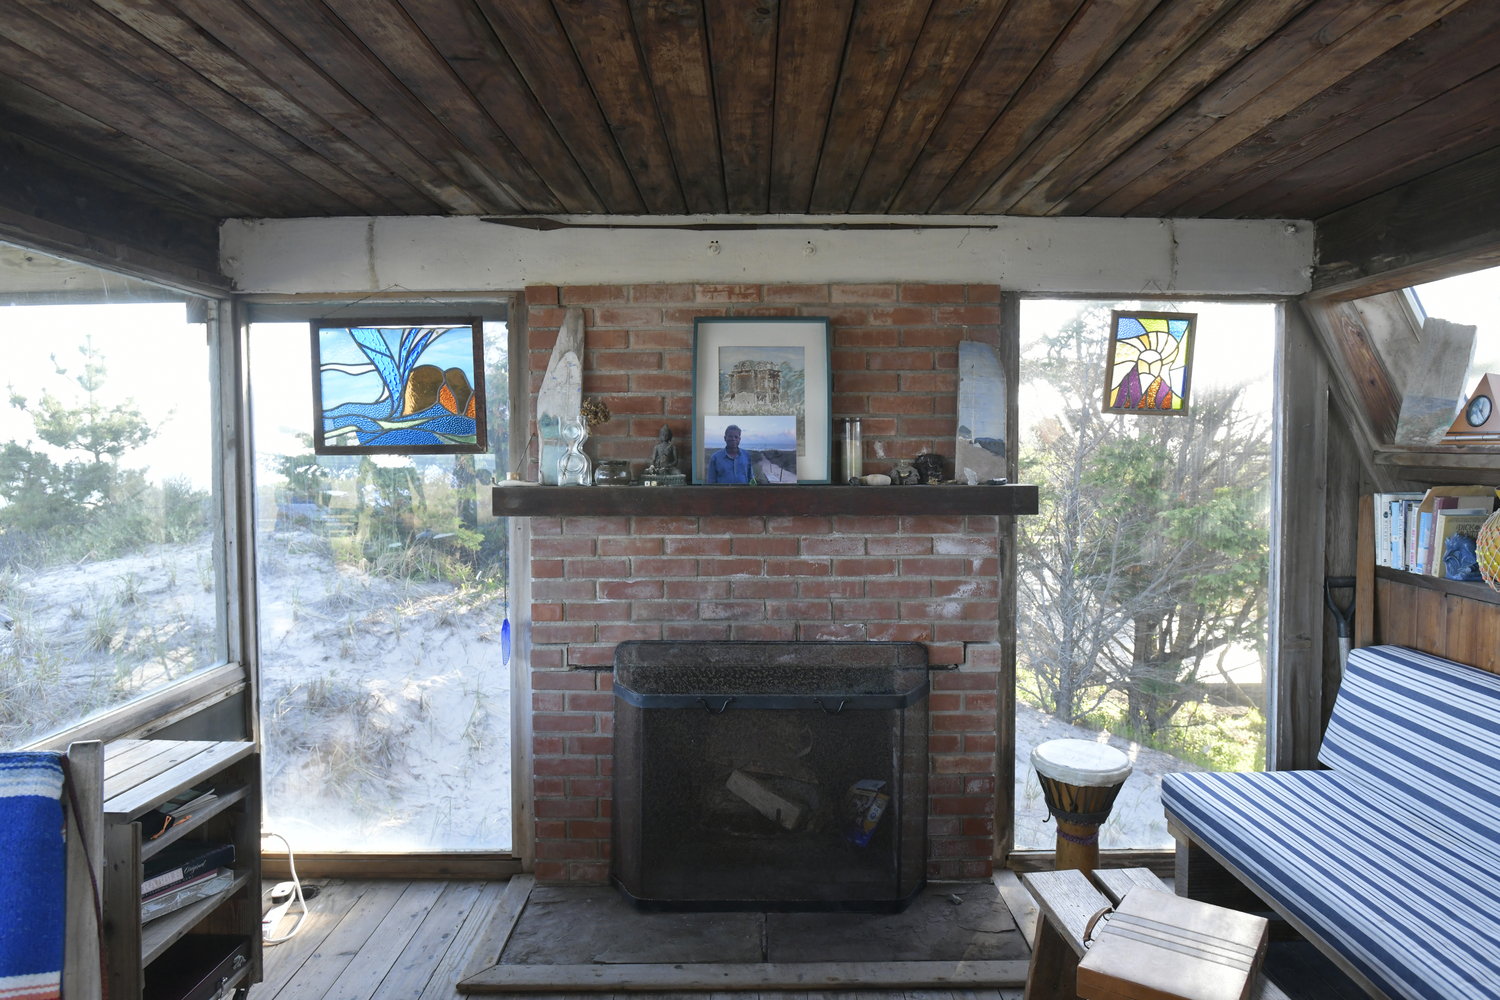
x=152, y=355
x=1473, y=299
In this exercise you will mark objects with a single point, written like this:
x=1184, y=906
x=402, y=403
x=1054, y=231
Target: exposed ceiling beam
x=1446, y=222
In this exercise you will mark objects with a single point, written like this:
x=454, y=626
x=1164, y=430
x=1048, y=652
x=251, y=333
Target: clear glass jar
x=854, y=450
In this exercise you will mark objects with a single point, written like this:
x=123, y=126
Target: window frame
x=302, y=308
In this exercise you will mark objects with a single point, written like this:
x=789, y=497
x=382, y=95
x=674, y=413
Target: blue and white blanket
x=33, y=860
x=1392, y=858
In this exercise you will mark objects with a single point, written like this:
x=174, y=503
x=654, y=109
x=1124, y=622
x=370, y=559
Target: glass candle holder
x=854, y=450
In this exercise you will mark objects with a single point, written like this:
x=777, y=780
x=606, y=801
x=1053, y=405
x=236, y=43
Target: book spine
x=162, y=881
x=1411, y=535
x=1424, y=542
x=1398, y=534
x=1382, y=530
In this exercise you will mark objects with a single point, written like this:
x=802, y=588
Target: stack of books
x=1412, y=529
x=183, y=874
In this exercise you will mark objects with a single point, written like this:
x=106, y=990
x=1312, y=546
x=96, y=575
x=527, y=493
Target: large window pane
x=385, y=698
x=106, y=562
x=1143, y=582
x=1472, y=299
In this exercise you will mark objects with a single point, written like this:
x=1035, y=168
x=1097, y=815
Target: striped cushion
x=1422, y=733
x=1414, y=908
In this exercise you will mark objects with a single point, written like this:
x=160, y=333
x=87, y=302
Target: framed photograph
x=398, y=387
x=1150, y=364
x=767, y=383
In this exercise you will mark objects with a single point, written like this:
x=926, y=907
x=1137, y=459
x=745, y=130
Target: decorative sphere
x=1487, y=548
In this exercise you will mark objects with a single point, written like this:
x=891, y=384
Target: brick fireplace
x=600, y=581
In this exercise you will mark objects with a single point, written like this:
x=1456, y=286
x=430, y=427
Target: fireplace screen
x=770, y=775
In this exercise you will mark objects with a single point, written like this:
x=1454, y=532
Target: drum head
x=1081, y=762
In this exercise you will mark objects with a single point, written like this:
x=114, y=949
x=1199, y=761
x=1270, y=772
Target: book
x=174, y=898
x=183, y=861
x=1159, y=946
x=1456, y=522
x=1430, y=553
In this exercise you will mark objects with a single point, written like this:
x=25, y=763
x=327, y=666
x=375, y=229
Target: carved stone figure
x=664, y=455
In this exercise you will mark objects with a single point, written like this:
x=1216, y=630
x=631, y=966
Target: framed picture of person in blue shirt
x=762, y=400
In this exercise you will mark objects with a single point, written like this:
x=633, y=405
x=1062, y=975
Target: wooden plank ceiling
x=1188, y=108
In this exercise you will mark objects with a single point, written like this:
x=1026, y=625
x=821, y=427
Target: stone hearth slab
x=577, y=938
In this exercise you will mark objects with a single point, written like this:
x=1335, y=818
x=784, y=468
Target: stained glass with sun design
x=398, y=387
x=1150, y=362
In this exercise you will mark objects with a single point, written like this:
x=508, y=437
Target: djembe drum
x=1080, y=781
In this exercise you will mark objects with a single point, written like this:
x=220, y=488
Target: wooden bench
x=1069, y=902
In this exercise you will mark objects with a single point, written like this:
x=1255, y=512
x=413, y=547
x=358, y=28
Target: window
x=1142, y=584
x=107, y=561
x=1474, y=299
x=383, y=596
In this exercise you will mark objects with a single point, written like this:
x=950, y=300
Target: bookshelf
x=140, y=775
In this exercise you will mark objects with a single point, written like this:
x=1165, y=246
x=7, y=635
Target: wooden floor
x=384, y=940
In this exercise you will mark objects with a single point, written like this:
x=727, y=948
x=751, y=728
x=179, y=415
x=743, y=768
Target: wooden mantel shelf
x=761, y=501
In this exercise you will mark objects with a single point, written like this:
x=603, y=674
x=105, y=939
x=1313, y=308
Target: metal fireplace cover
x=810, y=725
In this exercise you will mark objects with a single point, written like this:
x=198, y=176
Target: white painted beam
x=464, y=253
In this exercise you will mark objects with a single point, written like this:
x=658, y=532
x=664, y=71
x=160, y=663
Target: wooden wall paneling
x=1398, y=615
x=1416, y=231
x=1299, y=498
x=951, y=39
x=603, y=37
x=321, y=36
x=1450, y=127
x=1359, y=364
x=468, y=44
x=537, y=44
x=1341, y=554
x=809, y=55
x=1299, y=41
x=172, y=78
x=1016, y=44
x=1384, y=625
x=1335, y=59
x=881, y=40
x=492, y=158
x=1244, y=28
x=1432, y=623
x=67, y=72
x=245, y=34
x=1460, y=623
x=1087, y=43
x=674, y=41
x=1440, y=56
x=167, y=28
x=1364, y=608
x=742, y=57
x=1169, y=32
x=1487, y=639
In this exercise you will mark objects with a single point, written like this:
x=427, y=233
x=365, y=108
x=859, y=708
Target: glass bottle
x=854, y=450
x=574, y=467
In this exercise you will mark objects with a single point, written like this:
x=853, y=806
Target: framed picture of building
x=398, y=387
x=762, y=399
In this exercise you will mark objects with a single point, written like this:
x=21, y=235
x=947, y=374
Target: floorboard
x=388, y=940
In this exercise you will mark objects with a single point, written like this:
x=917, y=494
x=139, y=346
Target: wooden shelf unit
x=140, y=775
x=762, y=501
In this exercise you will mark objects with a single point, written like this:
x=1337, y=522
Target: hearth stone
x=772, y=776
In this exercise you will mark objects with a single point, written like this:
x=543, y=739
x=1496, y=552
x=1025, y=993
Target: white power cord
x=273, y=917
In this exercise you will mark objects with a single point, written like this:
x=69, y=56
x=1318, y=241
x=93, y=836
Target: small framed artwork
x=1150, y=363
x=762, y=399
x=398, y=387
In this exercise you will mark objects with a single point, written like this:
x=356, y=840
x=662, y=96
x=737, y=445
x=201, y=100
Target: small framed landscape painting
x=762, y=399
x=398, y=387
x=1150, y=363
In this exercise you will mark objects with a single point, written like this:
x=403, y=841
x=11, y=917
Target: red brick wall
x=600, y=581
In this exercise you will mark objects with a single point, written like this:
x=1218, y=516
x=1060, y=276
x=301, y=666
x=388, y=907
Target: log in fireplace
x=770, y=775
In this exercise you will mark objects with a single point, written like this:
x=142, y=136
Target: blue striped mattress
x=1393, y=857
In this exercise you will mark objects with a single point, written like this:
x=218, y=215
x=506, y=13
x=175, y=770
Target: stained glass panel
x=1150, y=362
x=398, y=389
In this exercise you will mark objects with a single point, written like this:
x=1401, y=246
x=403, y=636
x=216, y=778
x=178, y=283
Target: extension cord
x=273, y=917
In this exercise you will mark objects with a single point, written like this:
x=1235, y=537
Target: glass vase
x=574, y=467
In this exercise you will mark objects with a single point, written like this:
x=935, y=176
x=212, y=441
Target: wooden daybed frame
x=1457, y=621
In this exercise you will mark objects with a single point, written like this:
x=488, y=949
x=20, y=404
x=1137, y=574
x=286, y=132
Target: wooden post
x=81, y=945
x=1364, y=575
